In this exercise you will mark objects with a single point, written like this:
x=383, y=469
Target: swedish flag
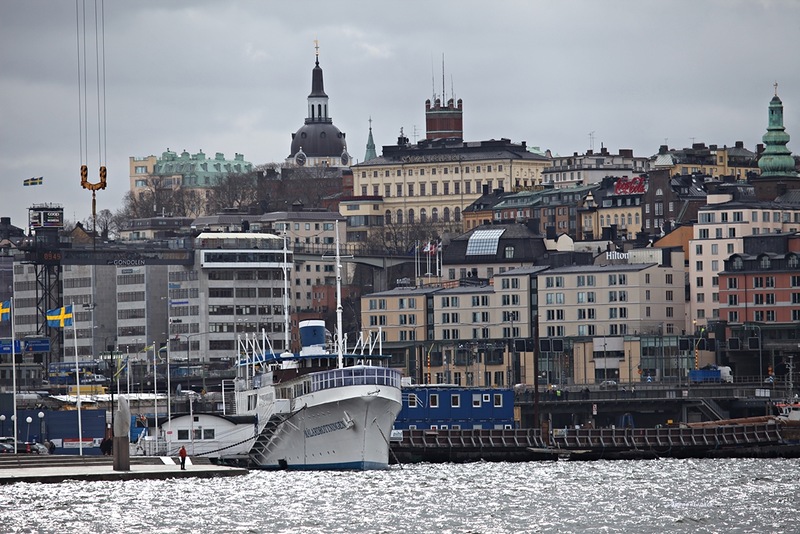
x=60, y=317
x=33, y=181
x=5, y=311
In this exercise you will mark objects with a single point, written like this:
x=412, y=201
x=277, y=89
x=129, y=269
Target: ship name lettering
x=324, y=429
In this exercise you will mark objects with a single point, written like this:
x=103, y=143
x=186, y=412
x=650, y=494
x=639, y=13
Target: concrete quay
x=60, y=468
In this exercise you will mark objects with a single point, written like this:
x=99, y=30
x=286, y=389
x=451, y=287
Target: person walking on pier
x=182, y=454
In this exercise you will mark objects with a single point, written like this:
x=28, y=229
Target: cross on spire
x=316, y=49
x=776, y=88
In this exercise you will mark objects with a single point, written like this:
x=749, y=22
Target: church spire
x=776, y=159
x=371, y=154
x=317, y=100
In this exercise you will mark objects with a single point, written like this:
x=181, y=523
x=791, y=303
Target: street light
x=760, y=362
x=28, y=420
x=16, y=437
x=41, y=426
x=3, y=421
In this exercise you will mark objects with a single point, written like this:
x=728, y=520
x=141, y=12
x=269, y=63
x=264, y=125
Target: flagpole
x=77, y=379
x=13, y=371
x=416, y=264
x=155, y=392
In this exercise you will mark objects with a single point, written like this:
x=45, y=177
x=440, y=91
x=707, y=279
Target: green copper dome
x=776, y=160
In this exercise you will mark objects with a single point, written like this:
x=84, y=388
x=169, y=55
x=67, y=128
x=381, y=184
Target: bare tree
x=105, y=226
x=232, y=191
x=401, y=238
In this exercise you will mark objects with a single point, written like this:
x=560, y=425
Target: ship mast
x=340, y=343
x=286, y=333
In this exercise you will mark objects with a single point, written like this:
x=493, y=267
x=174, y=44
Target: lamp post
x=40, y=415
x=701, y=331
x=16, y=437
x=3, y=422
x=28, y=420
x=760, y=362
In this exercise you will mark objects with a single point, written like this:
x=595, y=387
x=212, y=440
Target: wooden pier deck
x=754, y=440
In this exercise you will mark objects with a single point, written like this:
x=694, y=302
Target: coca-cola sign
x=630, y=186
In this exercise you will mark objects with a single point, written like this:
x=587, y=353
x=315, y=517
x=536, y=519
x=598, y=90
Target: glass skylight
x=484, y=242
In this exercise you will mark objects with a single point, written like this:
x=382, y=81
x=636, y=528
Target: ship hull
x=344, y=428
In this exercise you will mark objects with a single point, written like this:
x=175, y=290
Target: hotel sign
x=614, y=255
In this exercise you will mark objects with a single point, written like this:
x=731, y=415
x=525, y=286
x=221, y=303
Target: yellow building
x=432, y=181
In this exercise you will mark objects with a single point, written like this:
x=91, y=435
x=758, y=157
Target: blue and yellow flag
x=60, y=317
x=5, y=311
x=33, y=181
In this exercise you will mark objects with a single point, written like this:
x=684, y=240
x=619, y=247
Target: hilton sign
x=618, y=255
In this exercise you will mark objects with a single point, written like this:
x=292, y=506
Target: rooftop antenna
x=414, y=135
x=591, y=140
x=443, y=86
x=433, y=82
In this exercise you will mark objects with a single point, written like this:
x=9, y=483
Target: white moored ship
x=322, y=408
x=317, y=409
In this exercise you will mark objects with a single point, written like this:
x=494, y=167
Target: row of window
x=443, y=170
x=411, y=218
x=738, y=216
x=761, y=316
x=478, y=400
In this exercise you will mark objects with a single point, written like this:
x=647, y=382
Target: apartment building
x=732, y=213
x=591, y=167
x=712, y=160
x=90, y=289
x=760, y=301
x=601, y=313
x=459, y=335
x=489, y=250
x=235, y=287
x=433, y=181
x=195, y=173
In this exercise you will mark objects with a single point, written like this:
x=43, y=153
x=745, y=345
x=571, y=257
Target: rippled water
x=739, y=495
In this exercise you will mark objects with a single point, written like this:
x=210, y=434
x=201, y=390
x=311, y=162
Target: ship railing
x=355, y=376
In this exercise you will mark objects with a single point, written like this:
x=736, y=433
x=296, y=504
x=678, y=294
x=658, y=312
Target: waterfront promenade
x=60, y=468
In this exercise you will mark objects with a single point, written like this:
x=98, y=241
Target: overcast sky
x=233, y=76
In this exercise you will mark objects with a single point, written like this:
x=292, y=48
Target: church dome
x=319, y=140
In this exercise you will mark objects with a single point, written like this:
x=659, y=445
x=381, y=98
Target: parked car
x=608, y=384
x=6, y=448
x=21, y=448
x=35, y=448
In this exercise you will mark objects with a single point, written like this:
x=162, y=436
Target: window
x=433, y=402
x=455, y=400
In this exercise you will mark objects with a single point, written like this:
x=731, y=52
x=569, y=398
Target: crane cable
x=83, y=79
x=83, y=97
